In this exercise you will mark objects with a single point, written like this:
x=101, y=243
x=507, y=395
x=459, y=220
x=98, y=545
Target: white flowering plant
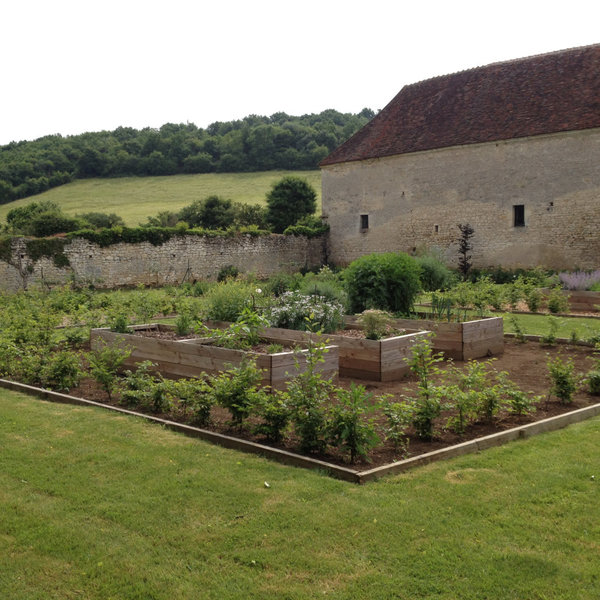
x=298, y=311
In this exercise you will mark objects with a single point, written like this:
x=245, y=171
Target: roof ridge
x=543, y=93
x=507, y=61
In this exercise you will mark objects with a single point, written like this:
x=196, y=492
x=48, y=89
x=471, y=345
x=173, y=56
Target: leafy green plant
x=376, y=323
x=274, y=348
x=227, y=300
x=62, y=370
x=227, y=272
x=195, y=399
x=557, y=301
x=237, y=390
x=423, y=364
x=142, y=389
x=594, y=382
x=274, y=412
x=119, y=322
x=183, y=324
x=564, y=381
x=348, y=427
x=533, y=297
x=518, y=401
x=104, y=365
x=241, y=335
x=308, y=393
x=549, y=339
x=399, y=417
x=519, y=333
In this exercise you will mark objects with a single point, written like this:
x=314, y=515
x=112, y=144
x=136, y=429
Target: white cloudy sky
x=70, y=66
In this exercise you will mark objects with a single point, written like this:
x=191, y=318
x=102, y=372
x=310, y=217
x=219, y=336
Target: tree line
x=255, y=143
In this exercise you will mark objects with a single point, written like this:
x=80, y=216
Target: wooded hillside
x=255, y=143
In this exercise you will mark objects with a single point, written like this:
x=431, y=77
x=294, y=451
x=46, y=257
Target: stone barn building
x=513, y=148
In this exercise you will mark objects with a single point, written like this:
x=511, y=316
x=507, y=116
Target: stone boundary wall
x=182, y=258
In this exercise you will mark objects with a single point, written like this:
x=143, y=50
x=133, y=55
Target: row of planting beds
x=358, y=358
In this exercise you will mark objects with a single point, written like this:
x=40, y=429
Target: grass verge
x=96, y=505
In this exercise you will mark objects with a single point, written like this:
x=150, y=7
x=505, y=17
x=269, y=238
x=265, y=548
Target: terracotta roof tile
x=547, y=93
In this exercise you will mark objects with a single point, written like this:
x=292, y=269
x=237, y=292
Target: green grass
x=539, y=325
x=96, y=505
x=135, y=198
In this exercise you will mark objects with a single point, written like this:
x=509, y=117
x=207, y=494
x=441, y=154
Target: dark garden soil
x=525, y=363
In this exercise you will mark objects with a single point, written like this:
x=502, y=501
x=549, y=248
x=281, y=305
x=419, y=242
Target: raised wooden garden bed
x=192, y=357
x=583, y=301
x=359, y=358
x=460, y=341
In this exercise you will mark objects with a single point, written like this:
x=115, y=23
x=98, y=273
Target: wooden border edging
x=288, y=458
x=482, y=443
x=538, y=338
x=351, y=475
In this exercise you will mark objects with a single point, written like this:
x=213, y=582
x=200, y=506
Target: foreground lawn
x=95, y=505
x=135, y=198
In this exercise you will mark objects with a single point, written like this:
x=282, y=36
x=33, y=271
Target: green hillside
x=134, y=198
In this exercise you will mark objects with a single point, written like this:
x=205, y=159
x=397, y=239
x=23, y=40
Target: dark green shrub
x=290, y=199
x=435, y=275
x=387, y=281
x=228, y=272
x=62, y=371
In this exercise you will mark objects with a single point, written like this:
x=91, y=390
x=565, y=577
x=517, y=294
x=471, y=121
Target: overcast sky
x=70, y=66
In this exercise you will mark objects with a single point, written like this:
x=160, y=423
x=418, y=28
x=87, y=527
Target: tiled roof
x=548, y=93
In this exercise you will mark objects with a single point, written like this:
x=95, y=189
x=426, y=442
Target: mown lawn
x=96, y=505
x=135, y=198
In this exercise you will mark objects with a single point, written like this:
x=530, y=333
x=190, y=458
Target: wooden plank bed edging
x=461, y=341
x=297, y=460
x=192, y=357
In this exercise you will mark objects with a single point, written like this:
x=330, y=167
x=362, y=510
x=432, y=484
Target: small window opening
x=519, y=215
x=436, y=228
x=364, y=222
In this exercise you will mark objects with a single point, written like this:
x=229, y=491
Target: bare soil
x=525, y=363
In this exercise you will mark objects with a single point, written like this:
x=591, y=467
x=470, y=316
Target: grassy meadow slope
x=134, y=198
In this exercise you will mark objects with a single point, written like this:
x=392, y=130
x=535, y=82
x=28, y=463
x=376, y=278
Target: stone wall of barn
x=414, y=201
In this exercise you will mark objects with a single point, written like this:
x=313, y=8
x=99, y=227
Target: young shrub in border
x=308, y=392
x=389, y=281
x=237, y=390
x=104, y=365
x=348, y=427
x=423, y=364
x=564, y=381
